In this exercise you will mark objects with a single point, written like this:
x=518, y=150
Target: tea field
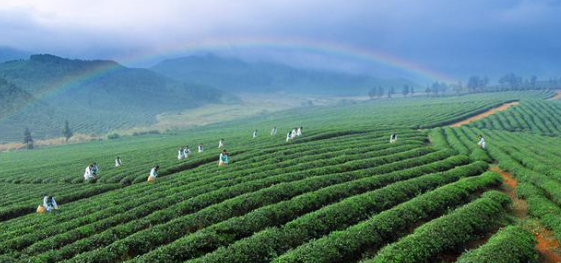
x=339, y=193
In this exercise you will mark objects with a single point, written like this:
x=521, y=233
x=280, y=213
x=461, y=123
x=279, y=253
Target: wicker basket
x=41, y=209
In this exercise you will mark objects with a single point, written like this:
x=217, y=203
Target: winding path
x=503, y=107
x=557, y=96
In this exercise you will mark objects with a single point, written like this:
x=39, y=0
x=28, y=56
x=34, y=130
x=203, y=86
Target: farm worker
x=118, y=162
x=200, y=147
x=274, y=131
x=299, y=131
x=88, y=174
x=49, y=203
x=293, y=133
x=393, y=138
x=221, y=143
x=254, y=134
x=186, y=152
x=153, y=173
x=180, y=154
x=481, y=142
x=224, y=158
x=289, y=136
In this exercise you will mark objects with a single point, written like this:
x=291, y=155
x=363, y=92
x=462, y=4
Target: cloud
x=452, y=36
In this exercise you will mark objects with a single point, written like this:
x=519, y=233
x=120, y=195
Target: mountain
x=105, y=84
x=94, y=96
x=7, y=53
x=236, y=75
x=11, y=97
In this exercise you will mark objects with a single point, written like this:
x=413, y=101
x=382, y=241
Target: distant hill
x=105, y=84
x=7, y=53
x=11, y=97
x=236, y=75
x=95, y=96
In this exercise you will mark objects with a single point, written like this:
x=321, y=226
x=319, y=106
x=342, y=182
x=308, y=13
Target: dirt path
x=548, y=246
x=556, y=97
x=485, y=114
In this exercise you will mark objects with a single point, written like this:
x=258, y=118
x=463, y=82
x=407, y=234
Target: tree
x=435, y=89
x=484, y=83
x=473, y=84
x=427, y=91
x=374, y=92
x=405, y=91
x=66, y=131
x=391, y=92
x=381, y=92
x=533, y=81
x=510, y=82
x=27, y=139
x=444, y=87
x=552, y=83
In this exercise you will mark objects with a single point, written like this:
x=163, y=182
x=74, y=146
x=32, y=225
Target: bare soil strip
x=548, y=246
x=76, y=138
x=485, y=114
x=556, y=97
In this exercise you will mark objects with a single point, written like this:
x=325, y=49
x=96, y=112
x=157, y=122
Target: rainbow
x=311, y=46
x=304, y=45
x=66, y=84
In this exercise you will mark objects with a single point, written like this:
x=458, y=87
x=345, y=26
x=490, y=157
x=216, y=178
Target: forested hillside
x=12, y=96
x=96, y=96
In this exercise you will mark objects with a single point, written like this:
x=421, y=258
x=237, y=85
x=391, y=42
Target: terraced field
x=532, y=116
x=532, y=164
x=340, y=193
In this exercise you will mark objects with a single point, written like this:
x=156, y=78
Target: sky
x=451, y=38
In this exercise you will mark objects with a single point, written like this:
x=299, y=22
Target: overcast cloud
x=455, y=37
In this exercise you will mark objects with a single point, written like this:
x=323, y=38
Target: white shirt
x=200, y=148
x=118, y=162
x=482, y=143
x=220, y=144
x=153, y=172
x=47, y=206
x=88, y=173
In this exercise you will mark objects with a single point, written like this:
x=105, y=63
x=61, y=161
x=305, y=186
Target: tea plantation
x=339, y=193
